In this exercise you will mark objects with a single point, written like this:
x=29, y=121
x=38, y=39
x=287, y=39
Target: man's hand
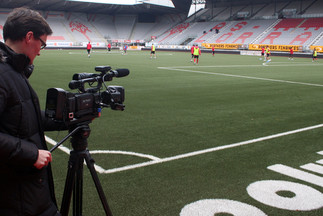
x=44, y=157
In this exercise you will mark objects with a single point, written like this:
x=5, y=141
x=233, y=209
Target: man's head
x=26, y=31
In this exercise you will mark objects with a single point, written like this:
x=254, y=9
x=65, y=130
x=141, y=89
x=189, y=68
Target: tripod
x=74, y=178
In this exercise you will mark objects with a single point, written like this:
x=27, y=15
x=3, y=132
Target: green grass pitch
x=206, y=137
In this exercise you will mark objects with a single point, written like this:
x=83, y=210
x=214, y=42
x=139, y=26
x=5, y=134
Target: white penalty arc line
x=67, y=150
x=156, y=160
x=239, y=76
x=151, y=157
x=98, y=168
x=195, y=153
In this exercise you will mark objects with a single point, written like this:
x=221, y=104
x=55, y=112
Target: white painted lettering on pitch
x=320, y=161
x=210, y=207
x=297, y=174
x=313, y=168
x=306, y=198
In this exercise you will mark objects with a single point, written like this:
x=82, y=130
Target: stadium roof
x=167, y=3
x=219, y=3
x=181, y=6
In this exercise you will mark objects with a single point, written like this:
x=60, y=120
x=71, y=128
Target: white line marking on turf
x=238, y=76
x=218, y=148
x=116, y=53
x=283, y=64
x=97, y=167
x=151, y=157
x=61, y=147
x=156, y=160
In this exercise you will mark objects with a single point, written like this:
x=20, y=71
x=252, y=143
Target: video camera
x=84, y=106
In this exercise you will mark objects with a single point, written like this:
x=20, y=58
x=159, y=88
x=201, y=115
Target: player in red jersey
x=88, y=48
x=262, y=54
x=291, y=53
x=192, y=52
x=109, y=47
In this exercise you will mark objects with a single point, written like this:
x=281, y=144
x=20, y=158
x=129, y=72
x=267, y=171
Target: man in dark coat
x=26, y=182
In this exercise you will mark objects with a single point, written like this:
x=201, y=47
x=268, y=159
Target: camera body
x=85, y=105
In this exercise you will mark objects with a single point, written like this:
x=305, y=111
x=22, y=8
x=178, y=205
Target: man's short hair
x=22, y=20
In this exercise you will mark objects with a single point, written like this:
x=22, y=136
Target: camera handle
x=74, y=178
x=65, y=138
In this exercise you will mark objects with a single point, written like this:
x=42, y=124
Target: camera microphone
x=74, y=84
x=116, y=73
x=121, y=72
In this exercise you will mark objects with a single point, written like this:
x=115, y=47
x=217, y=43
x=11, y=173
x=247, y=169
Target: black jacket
x=24, y=190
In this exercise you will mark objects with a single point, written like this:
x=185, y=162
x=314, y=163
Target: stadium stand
x=315, y=23
x=202, y=14
x=269, y=11
x=263, y=27
x=257, y=24
x=208, y=31
x=142, y=30
x=318, y=40
x=124, y=25
x=172, y=33
x=222, y=15
x=293, y=31
x=243, y=32
x=287, y=24
x=164, y=23
x=105, y=25
x=315, y=8
x=57, y=23
x=214, y=14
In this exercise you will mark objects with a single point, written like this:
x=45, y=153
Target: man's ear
x=29, y=37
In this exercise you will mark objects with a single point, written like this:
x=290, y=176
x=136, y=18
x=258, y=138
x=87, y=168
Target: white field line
x=155, y=160
x=61, y=147
x=116, y=53
x=151, y=157
x=241, y=76
x=272, y=64
x=98, y=168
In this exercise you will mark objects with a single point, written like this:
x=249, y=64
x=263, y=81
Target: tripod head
x=79, y=134
x=79, y=138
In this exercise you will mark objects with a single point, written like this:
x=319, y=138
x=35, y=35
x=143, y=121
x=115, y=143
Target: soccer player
x=267, y=51
x=213, y=50
x=125, y=47
x=153, y=51
x=109, y=47
x=88, y=48
x=291, y=53
x=197, y=53
x=262, y=54
x=314, y=55
x=192, y=52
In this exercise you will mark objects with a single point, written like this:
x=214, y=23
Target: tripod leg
x=78, y=189
x=69, y=183
x=90, y=165
x=75, y=170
